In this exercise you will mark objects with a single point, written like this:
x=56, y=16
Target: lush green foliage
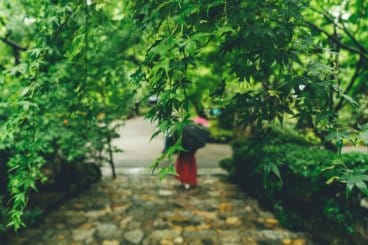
x=307, y=184
x=261, y=60
x=340, y=27
x=66, y=66
x=63, y=88
x=219, y=134
x=252, y=49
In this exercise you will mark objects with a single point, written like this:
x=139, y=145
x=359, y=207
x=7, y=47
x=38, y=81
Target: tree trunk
x=111, y=159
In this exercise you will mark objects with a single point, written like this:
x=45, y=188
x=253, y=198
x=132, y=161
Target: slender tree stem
x=342, y=45
x=351, y=83
x=342, y=27
x=111, y=159
x=13, y=44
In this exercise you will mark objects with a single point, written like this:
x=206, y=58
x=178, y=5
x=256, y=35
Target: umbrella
x=194, y=137
x=201, y=121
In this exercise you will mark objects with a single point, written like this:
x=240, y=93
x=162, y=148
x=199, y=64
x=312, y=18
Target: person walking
x=186, y=169
x=194, y=137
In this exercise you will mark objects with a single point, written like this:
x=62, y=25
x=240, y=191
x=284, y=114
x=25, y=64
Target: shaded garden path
x=136, y=208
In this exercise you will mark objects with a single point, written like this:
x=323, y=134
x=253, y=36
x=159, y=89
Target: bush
x=220, y=135
x=289, y=135
x=302, y=198
x=67, y=180
x=226, y=117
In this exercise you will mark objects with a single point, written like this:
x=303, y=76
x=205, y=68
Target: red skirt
x=186, y=168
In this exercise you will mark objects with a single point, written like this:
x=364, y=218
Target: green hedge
x=67, y=180
x=219, y=134
x=302, y=198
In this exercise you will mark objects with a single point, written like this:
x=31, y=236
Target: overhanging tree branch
x=351, y=83
x=2, y=21
x=9, y=42
x=342, y=27
x=13, y=44
x=342, y=45
x=357, y=43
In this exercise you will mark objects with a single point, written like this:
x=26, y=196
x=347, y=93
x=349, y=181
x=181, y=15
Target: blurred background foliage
x=64, y=86
x=287, y=72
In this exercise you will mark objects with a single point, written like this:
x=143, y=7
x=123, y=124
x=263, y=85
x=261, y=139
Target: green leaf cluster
x=317, y=185
x=64, y=87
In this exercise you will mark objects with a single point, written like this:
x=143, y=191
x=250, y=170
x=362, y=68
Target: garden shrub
x=62, y=178
x=226, y=117
x=306, y=195
x=289, y=135
x=219, y=134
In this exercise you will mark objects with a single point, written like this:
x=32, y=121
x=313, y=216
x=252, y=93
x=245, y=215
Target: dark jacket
x=194, y=138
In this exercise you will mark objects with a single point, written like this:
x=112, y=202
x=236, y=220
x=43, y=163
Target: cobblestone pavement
x=138, y=209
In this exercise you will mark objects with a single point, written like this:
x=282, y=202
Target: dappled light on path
x=138, y=209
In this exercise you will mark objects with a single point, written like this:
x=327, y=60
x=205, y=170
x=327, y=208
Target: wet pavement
x=139, y=209
x=136, y=208
x=139, y=151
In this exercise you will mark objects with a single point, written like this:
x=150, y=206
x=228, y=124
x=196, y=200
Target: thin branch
x=334, y=61
x=338, y=42
x=2, y=21
x=16, y=47
x=361, y=47
x=16, y=56
x=13, y=44
x=342, y=27
x=351, y=83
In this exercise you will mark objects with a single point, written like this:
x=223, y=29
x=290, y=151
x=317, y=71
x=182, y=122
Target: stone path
x=138, y=209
